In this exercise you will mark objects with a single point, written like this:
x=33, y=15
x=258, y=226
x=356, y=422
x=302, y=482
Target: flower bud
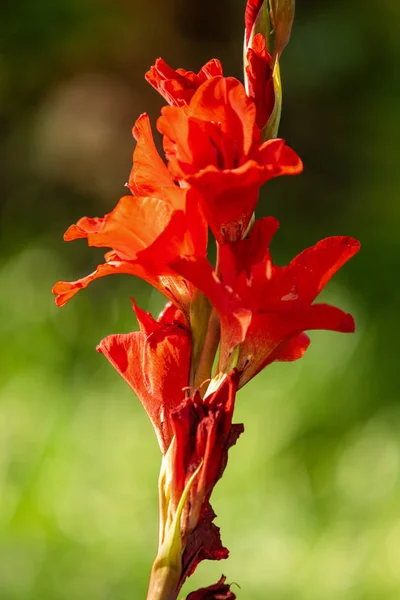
x=282, y=15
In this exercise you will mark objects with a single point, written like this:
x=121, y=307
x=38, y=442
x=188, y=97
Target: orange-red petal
x=270, y=331
x=178, y=86
x=149, y=174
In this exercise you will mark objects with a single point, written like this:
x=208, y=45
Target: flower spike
x=225, y=321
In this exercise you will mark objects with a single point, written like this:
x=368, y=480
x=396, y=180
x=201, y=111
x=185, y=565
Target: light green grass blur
x=309, y=505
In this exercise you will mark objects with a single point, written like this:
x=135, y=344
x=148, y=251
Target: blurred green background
x=310, y=503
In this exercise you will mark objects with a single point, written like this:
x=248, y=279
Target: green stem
x=164, y=580
x=209, y=350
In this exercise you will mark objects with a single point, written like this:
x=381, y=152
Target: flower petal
x=315, y=266
x=178, y=87
x=218, y=591
x=149, y=174
x=229, y=197
x=244, y=254
x=65, y=290
x=294, y=348
x=270, y=331
x=260, y=84
x=156, y=367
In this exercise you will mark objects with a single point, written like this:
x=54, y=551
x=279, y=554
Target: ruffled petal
x=217, y=128
x=65, y=290
x=223, y=100
x=149, y=174
x=178, y=87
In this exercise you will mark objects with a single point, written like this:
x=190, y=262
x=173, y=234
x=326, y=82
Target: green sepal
x=270, y=130
x=282, y=16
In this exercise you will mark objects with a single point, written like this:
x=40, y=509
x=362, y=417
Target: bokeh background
x=310, y=503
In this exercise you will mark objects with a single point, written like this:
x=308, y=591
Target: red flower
x=279, y=299
x=144, y=232
x=203, y=433
x=155, y=362
x=214, y=145
x=178, y=87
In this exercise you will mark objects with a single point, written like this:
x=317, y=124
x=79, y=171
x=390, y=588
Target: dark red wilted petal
x=203, y=433
x=204, y=543
x=218, y=591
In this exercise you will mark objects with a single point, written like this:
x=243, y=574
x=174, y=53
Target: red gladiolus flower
x=155, y=363
x=247, y=310
x=178, y=87
x=280, y=299
x=145, y=231
x=214, y=145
